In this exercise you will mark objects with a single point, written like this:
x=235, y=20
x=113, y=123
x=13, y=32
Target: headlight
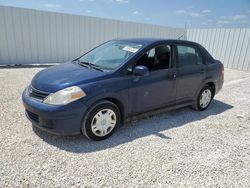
x=65, y=96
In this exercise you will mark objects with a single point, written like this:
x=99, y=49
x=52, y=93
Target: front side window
x=188, y=55
x=111, y=54
x=157, y=58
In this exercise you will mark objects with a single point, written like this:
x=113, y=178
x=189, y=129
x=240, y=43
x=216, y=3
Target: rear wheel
x=101, y=121
x=204, y=98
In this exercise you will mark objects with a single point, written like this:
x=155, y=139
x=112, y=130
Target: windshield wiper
x=85, y=64
x=90, y=65
x=97, y=67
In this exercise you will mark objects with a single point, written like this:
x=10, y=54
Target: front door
x=158, y=88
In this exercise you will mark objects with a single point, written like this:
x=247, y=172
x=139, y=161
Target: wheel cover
x=205, y=98
x=103, y=122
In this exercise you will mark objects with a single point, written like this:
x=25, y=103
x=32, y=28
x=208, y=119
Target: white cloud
x=51, y=5
x=190, y=7
x=243, y=21
x=136, y=12
x=206, y=11
x=192, y=14
x=235, y=17
x=222, y=22
x=121, y=1
x=180, y=12
x=207, y=22
x=86, y=0
x=123, y=18
x=88, y=11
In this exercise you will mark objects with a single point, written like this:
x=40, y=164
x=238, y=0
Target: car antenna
x=183, y=34
x=180, y=37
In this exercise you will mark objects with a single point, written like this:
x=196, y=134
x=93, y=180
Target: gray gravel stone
x=181, y=148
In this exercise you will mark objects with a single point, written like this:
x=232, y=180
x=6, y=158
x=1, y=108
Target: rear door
x=190, y=72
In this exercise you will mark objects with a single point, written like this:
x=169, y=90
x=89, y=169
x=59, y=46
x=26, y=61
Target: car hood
x=61, y=76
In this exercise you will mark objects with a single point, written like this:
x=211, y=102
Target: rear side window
x=188, y=55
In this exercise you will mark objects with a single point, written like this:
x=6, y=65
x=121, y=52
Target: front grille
x=37, y=94
x=32, y=116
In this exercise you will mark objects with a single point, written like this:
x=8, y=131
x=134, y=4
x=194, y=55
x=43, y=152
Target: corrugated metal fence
x=231, y=46
x=38, y=37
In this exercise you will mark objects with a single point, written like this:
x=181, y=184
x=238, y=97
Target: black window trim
x=172, y=54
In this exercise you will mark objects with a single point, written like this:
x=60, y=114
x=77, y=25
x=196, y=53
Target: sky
x=172, y=13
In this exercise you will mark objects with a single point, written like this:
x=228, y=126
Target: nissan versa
x=96, y=92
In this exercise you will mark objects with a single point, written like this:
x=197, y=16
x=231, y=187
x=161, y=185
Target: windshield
x=111, y=54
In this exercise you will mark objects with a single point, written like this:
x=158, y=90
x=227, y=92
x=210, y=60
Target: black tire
x=87, y=121
x=197, y=106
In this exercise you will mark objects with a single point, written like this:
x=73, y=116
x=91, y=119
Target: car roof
x=149, y=41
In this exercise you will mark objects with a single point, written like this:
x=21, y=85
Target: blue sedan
x=119, y=79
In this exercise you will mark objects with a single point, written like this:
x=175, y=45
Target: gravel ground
x=181, y=148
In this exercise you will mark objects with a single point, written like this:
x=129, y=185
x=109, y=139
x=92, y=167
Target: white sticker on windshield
x=130, y=49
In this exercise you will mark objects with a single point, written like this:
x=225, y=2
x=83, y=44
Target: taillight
x=222, y=69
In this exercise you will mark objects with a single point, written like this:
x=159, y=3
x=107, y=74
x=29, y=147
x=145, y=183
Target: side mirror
x=141, y=71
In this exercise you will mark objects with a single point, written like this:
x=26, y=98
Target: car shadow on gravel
x=151, y=125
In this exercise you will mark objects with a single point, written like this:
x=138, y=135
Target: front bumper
x=55, y=119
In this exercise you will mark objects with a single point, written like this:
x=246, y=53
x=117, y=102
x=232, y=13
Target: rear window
x=188, y=55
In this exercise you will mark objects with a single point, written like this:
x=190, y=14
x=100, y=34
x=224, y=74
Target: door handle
x=171, y=76
x=202, y=71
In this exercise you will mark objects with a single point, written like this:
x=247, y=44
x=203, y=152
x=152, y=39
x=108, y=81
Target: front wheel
x=101, y=121
x=204, y=98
